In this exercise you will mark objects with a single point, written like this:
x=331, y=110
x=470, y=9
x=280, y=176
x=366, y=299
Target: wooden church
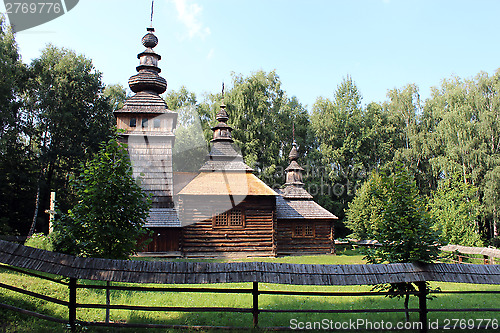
x=225, y=210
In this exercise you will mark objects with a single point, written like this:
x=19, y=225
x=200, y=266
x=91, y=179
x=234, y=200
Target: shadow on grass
x=12, y=321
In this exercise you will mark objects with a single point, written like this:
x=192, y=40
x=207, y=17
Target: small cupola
x=294, y=186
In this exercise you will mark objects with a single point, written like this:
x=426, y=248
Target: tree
x=17, y=173
x=455, y=208
x=116, y=95
x=68, y=118
x=352, y=140
x=401, y=224
x=492, y=201
x=262, y=117
x=108, y=219
x=365, y=210
x=190, y=149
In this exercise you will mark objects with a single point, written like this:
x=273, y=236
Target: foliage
x=40, y=241
x=388, y=209
x=456, y=209
x=399, y=220
x=111, y=210
x=492, y=201
x=365, y=210
x=190, y=149
x=184, y=103
x=262, y=116
x=353, y=141
x=68, y=118
x=17, y=173
x=116, y=96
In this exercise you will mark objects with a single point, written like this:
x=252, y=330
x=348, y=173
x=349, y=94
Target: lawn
x=14, y=322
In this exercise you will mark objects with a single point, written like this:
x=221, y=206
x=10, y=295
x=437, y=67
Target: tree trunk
x=37, y=200
x=35, y=215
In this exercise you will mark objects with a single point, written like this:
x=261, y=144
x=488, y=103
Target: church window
x=144, y=122
x=133, y=122
x=220, y=220
x=303, y=230
x=297, y=231
x=234, y=218
x=308, y=231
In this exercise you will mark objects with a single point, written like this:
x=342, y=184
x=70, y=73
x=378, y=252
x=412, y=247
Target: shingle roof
x=227, y=183
x=296, y=192
x=162, y=217
x=300, y=209
x=144, y=102
x=223, y=156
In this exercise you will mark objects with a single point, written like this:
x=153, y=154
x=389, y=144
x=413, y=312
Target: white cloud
x=189, y=13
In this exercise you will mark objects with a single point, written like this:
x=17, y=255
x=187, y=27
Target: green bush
x=40, y=241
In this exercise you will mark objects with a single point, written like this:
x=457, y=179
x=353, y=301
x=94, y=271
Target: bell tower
x=147, y=125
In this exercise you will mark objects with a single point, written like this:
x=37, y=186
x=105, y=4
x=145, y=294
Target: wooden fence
x=26, y=260
x=487, y=255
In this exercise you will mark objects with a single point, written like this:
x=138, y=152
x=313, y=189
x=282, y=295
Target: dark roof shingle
x=300, y=209
x=163, y=217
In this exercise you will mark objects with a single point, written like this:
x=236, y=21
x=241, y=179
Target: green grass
x=343, y=257
x=14, y=322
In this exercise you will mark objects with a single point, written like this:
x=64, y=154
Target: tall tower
x=148, y=127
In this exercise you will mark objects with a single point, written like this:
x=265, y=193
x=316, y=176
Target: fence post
x=72, y=304
x=255, y=302
x=108, y=301
x=422, y=304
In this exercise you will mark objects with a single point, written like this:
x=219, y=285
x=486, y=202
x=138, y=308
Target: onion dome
x=222, y=131
x=294, y=170
x=147, y=78
x=294, y=185
x=294, y=154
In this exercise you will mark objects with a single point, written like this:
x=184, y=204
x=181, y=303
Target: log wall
x=321, y=242
x=255, y=238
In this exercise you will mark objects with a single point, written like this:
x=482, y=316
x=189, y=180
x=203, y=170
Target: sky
x=312, y=44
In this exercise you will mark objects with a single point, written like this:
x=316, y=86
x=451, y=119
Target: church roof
x=225, y=172
x=294, y=187
x=144, y=102
x=295, y=192
x=300, y=209
x=294, y=202
x=227, y=183
x=162, y=217
x=224, y=157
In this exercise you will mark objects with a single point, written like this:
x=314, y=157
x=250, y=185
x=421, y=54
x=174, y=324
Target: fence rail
x=27, y=260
